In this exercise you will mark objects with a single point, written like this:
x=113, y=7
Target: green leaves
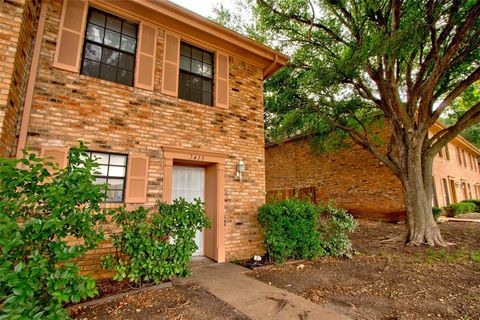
x=297, y=229
x=39, y=210
x=156, y=245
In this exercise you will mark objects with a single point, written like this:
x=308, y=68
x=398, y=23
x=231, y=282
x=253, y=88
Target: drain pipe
x=32, y=77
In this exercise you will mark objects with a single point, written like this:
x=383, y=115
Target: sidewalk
x=255, y=299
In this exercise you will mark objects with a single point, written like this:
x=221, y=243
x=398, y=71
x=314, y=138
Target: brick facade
x=355, y=179
x=17, y=30
x=109, y=117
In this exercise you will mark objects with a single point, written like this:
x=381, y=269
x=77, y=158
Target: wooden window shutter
x=171, y=57
x=137, y=176
x=57, y=155
x=147, y=48
x=221, y=80
x=70, y=35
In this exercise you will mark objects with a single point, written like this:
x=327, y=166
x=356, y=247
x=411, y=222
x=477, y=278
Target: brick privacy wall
x=354, y=178
x=17, y=32
x=111, y=117
x=351, y=176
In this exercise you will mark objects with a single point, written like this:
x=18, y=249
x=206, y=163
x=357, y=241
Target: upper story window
x=109, y=48
x=196, y=74
x=112, y=171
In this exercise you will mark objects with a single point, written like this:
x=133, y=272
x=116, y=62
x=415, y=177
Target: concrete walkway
x=255, y=299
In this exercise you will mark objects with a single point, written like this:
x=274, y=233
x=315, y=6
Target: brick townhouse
x=169, y=102
x=357, y=181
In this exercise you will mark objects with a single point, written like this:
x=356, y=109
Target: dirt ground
x=392, y=281
x=180, y=302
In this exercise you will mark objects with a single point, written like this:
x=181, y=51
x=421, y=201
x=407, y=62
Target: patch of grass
x=432, y=256
x=475, y=256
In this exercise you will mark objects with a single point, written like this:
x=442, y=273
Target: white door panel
x=189, y=183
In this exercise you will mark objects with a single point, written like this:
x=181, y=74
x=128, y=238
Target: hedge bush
x=436, y=212
x=476, y=202
x=456, y=209
x=155, y=245
x=292, y=230
x=38, y=211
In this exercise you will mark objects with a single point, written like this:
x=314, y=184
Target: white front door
x=189, y=183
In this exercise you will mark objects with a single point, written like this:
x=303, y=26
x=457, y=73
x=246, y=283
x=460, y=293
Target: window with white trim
x=112, y=170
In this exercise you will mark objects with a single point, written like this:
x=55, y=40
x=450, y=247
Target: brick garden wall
x=111, y=117
x=356, y=180
x=351, y=176
x=19, y=19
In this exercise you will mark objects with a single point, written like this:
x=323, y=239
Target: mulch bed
x=173, y=303
x=392, y=281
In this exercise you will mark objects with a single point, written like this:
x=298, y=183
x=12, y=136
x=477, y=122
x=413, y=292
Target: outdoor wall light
x=240, y=170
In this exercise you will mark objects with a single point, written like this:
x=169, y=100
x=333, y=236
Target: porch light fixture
x=240, y=170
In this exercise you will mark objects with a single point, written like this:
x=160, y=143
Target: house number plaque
x=197, y=157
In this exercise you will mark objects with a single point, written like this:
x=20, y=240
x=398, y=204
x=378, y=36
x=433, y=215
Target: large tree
x=356, y=62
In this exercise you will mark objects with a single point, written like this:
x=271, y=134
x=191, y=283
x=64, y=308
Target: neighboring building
x=169, y=101
x=359, y=182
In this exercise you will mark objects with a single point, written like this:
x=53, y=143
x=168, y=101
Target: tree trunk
x=421, y=226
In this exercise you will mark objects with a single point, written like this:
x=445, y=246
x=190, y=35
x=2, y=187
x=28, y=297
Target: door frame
x=214, y=184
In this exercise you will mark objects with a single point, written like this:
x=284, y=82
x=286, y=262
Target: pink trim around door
x=214, y=188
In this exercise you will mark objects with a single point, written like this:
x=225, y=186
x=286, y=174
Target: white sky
x=203, y=7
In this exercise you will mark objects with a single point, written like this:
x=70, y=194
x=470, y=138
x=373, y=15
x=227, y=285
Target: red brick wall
x=355, y=179
x=110, y=117
x=17, y=31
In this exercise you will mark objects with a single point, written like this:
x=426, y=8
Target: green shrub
x=292, y=230
x=145, y=252
x=335, y=224
x=39, y=210
x=476, y=202
x=436, y=212
x=456, y=209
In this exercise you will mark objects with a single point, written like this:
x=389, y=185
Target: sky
x=203, y=7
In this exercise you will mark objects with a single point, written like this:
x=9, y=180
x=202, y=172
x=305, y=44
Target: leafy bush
x=476, y=202
x=335, y=224
x=39, y=210
x=292, y=230
x=436, y=212
x=456, y=209
x=155, y=245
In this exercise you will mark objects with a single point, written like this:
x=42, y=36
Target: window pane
x=207, y=70
x=102, y=170
x=114, y=24
x=126, y=61
x=185, y=50
x=184, y=63
x=196, y=82
x=108, y=72
x=116, y=171
x=207, y=98
x=128, y=44
x=115, y=184
x=196, y=95
x=207, y=57
x=197, y=54
x=100, y=158
x=110, y=57
x=91, y=68
x=93, y=52
x=112, y=39
x=118, y=160
x=115, y=195
x=95, y=33
x=100, y=181
x=183, y=93
x=207, y=85
x=184, y=79
x=196, y=67
x=129, y=29
x=125, y=77
x=98, y=18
